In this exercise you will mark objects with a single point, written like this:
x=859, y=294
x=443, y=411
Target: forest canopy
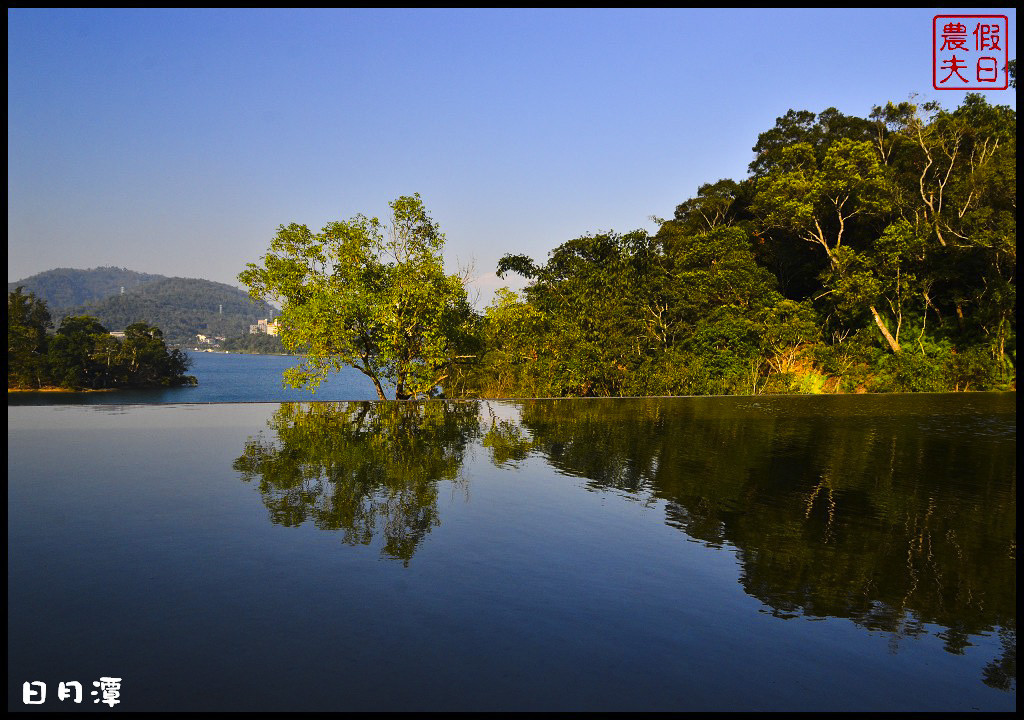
x=860, y=254
x=82, y=354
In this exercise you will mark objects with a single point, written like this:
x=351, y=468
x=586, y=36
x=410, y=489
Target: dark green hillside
x=181, y=307
x=64, y=288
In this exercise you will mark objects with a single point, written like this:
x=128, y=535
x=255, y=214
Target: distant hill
x=180, y=307
x=67, y=287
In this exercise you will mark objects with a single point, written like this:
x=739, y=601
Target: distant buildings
x=264, y=326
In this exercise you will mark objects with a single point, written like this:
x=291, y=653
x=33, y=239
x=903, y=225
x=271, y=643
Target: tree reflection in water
x=882, y=511
x=361, y=468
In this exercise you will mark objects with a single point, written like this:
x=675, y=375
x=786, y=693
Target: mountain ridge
x=180, y=307
x=65, y=287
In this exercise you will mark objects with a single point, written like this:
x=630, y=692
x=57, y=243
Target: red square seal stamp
x=970, y=52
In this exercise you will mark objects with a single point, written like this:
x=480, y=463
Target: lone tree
x=368, y=295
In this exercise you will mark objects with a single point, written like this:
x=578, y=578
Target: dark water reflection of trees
x=896, y=514
x=361, y=468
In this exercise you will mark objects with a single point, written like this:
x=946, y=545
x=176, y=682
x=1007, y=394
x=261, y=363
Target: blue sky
x=176, y=141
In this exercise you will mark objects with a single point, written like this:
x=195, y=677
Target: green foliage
x=513, y=333
x=371, y=296
x=72, y=353
x=810, y=383
x=788, y=328
x=83, y=355
x=974, y=368
x=716, y=205
x=863, y=254
x=146, y=359
x=27, y=322
x=613, y=314
x=255, y=344
x=581, y=327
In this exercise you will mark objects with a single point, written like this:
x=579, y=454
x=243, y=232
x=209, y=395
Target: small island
x=84, y=355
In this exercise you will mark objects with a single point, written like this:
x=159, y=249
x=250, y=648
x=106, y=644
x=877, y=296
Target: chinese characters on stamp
x=970, y=52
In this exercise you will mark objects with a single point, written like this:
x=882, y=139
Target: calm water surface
x=784, y=553
x=223, y=377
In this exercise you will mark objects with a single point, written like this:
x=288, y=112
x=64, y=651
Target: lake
x=770, y=553
x=223, y=377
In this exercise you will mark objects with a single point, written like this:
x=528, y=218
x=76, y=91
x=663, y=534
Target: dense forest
x=860, y=254
x=82, y=354
x=181, y=307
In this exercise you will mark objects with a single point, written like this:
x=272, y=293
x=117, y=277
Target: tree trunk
x=893, y=344
x=373, y=377
x=376, y=384
x=400, y=393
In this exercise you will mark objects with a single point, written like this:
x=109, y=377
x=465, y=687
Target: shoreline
x=59, y=390
x=52, y=389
